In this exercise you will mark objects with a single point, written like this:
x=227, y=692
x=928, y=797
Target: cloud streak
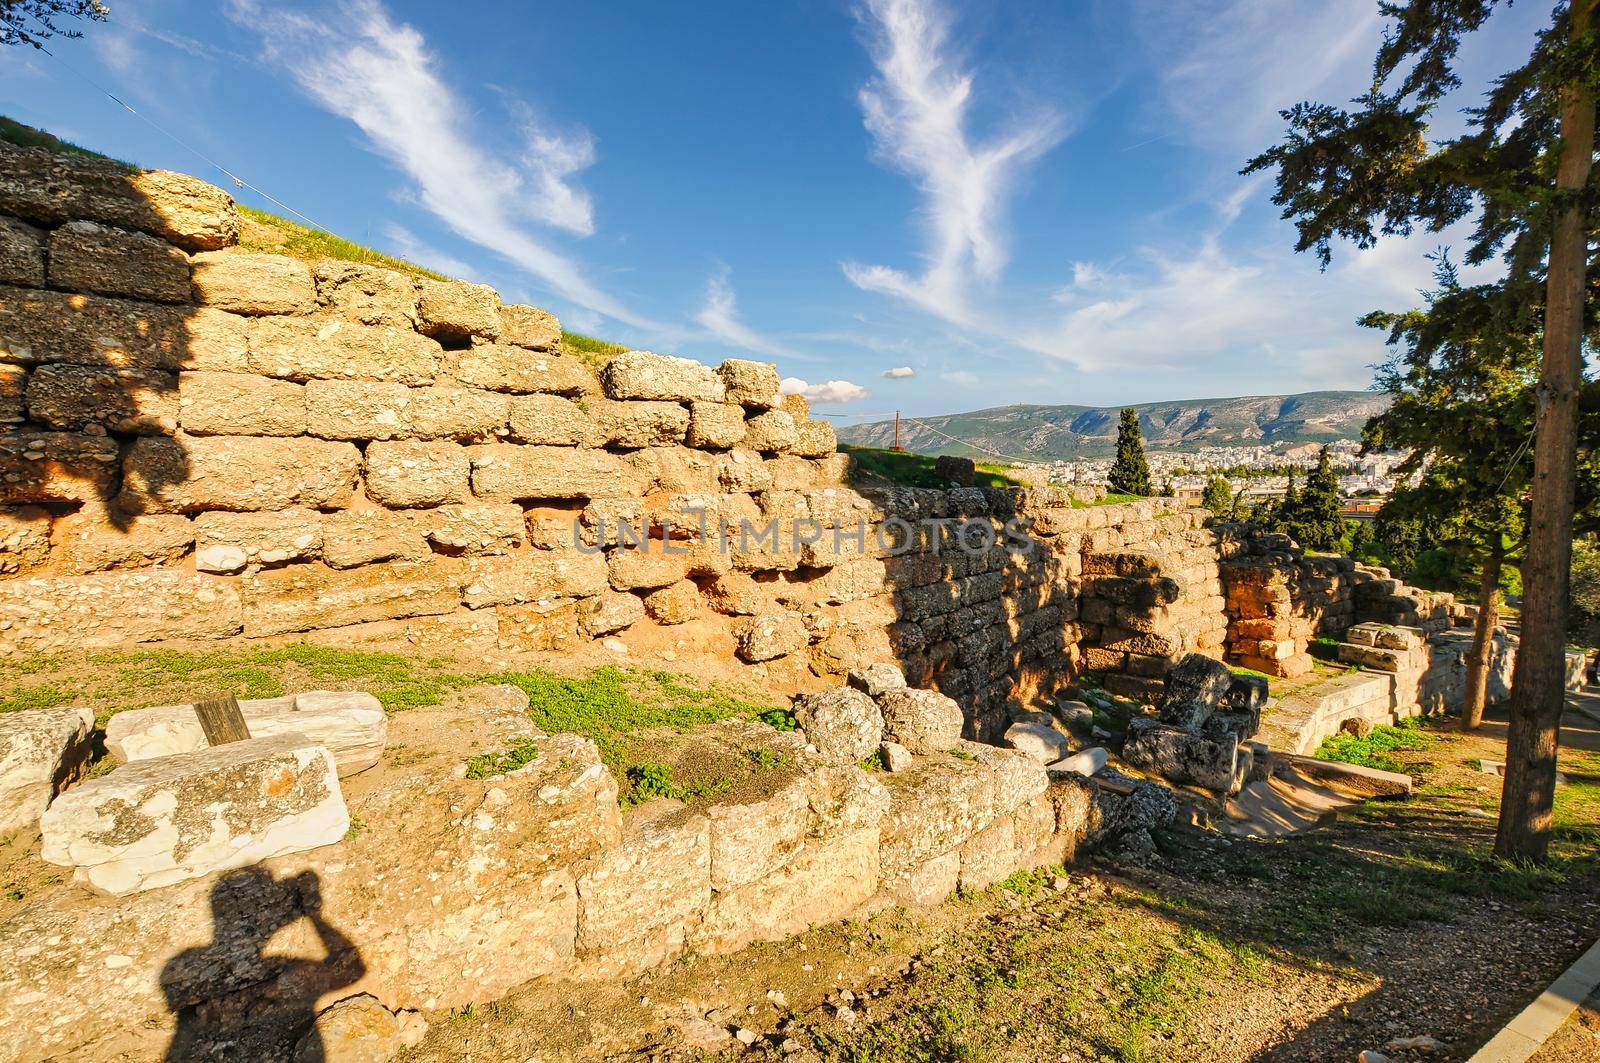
x=720, y=317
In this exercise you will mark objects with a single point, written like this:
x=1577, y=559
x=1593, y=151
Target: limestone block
x=934, y=807
x=360, y=537
x=508, y=472
x=112, y=609
x=87, y=257
x=1182, y=757
x=13, y=388
x=1017, y=777
x=1085, y=762
x=474, y=527
x=750, y=840
x=736, y=594
x=772, y=431
x=750, y=383
x=648, y=376
x=39, y=327
x=457, y=310
x=405, y=473
x=715, y=425
x=157, y=822
x=796, y=407
x=815, y=439
x=21, y=253
x=1039, y=741
x=647, y=568
x=321, y=348
x=674, y=604
x=743, y=470
x=46, y=187
x=924, y=721
x=142, y=401
x=307, y=597
x=368, y=294
x=25, y=534
x=531, y=577
x=844, y=725
x=896, y=757
x=38, y=466
x=1382, y=660
x=764, y=638
x=240, y=404
x=609, y=612
x=248, y=283
x=465, y=415
x=528, y=326
x=41, y=751
x=639, y=424
x=352, y=725
x=924, y=884
x=357, y=1029
x=90, y=542
x=552, y=421
x=227, y=542
x=638, y=900
x=989, y=855
x=497, y=367
x=358, y=409
x=1194, y=689
x=239, y=473
x=876, y=679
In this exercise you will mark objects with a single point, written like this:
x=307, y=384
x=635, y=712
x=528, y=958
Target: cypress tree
x=1130, y=473
x=1218, y=497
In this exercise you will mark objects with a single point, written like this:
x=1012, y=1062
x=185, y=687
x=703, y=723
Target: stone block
x=507, y=472
x=357, y=1029
x=465, y=415
x=715, y=425
x=638, y=901
x=924, y=721
x=532, y=576
x=404, y=473
x=306, y=597
x=240, y=404
x=157, y=822
x=474, y=527
x=360, y=537
x=358, y=410
x=240, y=473
x=371, y=295
x=551, y=420
x=248, y=283
x=46, y=187
x=677, y=603
x=227, y=542
x=989, y=855
x=1194, y=689
x=40, y=614
x=38, y=466
x=497, y=367
x=13, y=388
x=1182, y=757
x=321, y=348
x=41, y=752
x=844, y=724
x=750, y=840
x=141, y=401
x=21, y=253
x=633, y=425
x=765, y=638
x=609, y=612
x=528, y=326
x=874, y=680
x=815, y=439
x=1085, y=762
x=933, y=808
x=25, y=533
x=771, y=431
x=748, y=383
x=91, y=541
x=351, y=724
x=457, y=310
x=87, y=257
x=1039, y=740
x=38, y=327
x=743, y=470
x=643, y=375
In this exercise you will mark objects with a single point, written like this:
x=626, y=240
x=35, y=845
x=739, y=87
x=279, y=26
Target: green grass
x=1112, y=498
x=25, y=136
x=488, y=765
x=916, y=470
x=1374, y=750
x=284, y=237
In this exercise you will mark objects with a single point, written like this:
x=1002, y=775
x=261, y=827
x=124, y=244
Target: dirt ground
x=1389, y=923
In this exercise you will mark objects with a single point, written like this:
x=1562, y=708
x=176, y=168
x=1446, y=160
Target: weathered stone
x=87, y=257
x=750, y=383
x=351, y=724
x=89, y=541
x=141, y=401
x=41, y=752
x=743, y=470
x=39, y=327
x=896, y=757
x=156, y=822
x=1193, y=690
x=528, y=326
x=1182, y=757
x=764, y=638
x=474, y=527
x=844, y=725
x=320, y=348
x=227, y=542
x=25, y=534
x=457, y=310
x=38, y=466
x=876, y=679
x=248, y=283
x=465, y=415
x=358, y=409
x=240, y=404
x=815, y=439
x=305, y=597
x=357, y=1029
x=676, y=603
x=497, y=367
x=368, y=294
x=46, y=187
x=405, y=474
x=13, y=388
x=772, y=432
x=360, y=537
x=715, y=425
x=552, y=421
x=935, y=806
x=1085, y=762
x=507, y=472
x=533, y=576
x=610, y=612
x=638, y=901
x=736, y=594
x=193, y=473
x=643, y=375
x=924, y=721
x=41, y=614
x=1040, y=741
x=21, y=253
x=639, y=424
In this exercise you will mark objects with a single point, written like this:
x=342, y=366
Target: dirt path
x=1390, y=923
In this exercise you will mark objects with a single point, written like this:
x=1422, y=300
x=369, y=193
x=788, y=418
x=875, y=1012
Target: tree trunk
x=1482, y=654
x=1538, y=689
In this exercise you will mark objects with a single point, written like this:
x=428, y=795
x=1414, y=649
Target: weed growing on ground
x=1373, y=750
x=648, y=780
x=874, y=762
x=488, y=765
x=917, y=470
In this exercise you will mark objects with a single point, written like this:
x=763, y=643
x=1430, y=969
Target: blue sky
x=907, y=204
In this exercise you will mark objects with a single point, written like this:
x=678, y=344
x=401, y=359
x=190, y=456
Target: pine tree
x=1315, y=520
x=1218, y=496
x=1518, y=174
x=1130, y=473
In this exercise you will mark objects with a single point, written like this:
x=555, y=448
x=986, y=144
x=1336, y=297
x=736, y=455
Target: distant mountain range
x=1062, y=433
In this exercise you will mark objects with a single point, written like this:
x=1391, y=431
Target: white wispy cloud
x=419, y=252
x=918, y=109
x=362, y=65
x=962, y=377
x=900, y=372
x=720, y=316
x=830, y=391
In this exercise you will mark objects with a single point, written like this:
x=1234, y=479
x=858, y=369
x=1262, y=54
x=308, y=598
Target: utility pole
x=897, y=430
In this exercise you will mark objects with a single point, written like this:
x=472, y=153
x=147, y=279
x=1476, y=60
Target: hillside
x=1047, y=433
